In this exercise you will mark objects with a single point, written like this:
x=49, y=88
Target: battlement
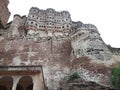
x=115, y=51
x=78, y=28
x=48, y=11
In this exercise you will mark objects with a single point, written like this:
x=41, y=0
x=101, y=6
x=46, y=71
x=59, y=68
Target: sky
x=104, y=14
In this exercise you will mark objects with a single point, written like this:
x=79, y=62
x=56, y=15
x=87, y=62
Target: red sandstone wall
x=53, y=55
x=34, y=51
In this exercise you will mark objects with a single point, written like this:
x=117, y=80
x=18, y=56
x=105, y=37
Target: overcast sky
x=105, y=14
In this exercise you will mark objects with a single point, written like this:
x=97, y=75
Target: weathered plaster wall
x=52, y=53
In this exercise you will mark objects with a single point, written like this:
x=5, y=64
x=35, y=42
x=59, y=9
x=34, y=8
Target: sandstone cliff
x=80, y=84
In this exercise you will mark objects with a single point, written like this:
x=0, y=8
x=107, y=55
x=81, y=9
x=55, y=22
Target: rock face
x=86, y=41
x=4, y=13
x=80, y=84
x=51, y=39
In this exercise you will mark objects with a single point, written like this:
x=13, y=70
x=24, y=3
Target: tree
x=115, y=78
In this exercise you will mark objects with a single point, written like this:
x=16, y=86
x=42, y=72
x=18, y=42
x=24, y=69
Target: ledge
x=20, y=70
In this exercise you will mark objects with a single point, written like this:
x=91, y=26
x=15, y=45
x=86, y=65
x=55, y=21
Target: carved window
x=31, y=22
x=67, y=26
x=79, y=34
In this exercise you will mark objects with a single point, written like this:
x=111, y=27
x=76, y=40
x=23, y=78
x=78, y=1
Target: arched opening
x=25, y=83
x=6, y=83
x=19, y=87
x=30, y=87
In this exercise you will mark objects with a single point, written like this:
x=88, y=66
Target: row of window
x=46, y=23
x=57, y=20
x=43, y=26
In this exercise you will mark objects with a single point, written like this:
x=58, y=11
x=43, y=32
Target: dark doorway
x=6, y=82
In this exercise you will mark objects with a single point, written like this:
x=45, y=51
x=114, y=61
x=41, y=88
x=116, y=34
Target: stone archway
x=21, y=78
x=25, y=83
x=6, y=83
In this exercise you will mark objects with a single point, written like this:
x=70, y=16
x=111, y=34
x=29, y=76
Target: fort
x=38, y=50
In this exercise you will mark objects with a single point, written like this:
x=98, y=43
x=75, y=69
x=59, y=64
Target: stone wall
x=16, y=27
x=52, y=53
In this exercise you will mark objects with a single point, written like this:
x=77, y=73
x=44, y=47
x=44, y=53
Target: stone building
x=48, y=22
x=39, y=50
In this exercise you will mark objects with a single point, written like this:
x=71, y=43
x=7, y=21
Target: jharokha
x=39, y=50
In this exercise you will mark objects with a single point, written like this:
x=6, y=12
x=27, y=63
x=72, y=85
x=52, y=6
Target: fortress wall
x=52, y=53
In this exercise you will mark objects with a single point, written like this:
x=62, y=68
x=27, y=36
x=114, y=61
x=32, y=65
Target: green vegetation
x=115, y=78
x=73, y=76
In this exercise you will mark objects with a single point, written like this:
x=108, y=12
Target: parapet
x=78, y=26
x=115, y=51
x=49, y=10
x=90, y=26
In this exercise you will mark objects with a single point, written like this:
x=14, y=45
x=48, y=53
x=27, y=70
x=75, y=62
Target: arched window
x=31, y=22
x=30, y=87
x=19, y=87
x=6, y=82
x=67, y=26
x=25, y=81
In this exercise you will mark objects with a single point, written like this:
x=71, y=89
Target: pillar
x=37, y=82
x=15, y=81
